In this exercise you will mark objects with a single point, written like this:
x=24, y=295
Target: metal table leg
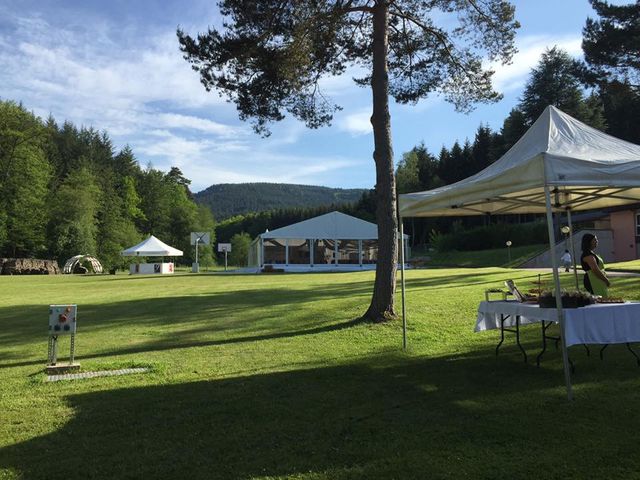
x=524, y=354
x=504, y=318
x=545, y=326
x=556, y=339
x=602, y=351
x=628, y=345
x=633, y=353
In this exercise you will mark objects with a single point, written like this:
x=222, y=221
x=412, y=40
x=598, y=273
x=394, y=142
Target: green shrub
x=490, y=236
x=240, y=244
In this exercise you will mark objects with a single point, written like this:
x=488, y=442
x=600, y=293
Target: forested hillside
x=65, y=191
x=227, y=199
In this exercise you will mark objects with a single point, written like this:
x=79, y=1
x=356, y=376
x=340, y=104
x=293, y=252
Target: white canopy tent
x=559, y=165
x=151, y=247
x=333, y=239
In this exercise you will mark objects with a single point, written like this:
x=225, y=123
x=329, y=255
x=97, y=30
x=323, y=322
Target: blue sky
x=115, y=65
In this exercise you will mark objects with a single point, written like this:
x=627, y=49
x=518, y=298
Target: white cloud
x=358, y=123
x=270, y=171
x=138, y=88
x=174, y=120
x=227, y=161
x=72, y=75
x=335, y=86
x=514, y=76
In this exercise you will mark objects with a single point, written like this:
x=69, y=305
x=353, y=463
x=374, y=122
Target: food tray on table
x=489, y=291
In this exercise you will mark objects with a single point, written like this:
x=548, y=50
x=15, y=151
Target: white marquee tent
x=151, y=247
x=559, y=165
x=333, y=239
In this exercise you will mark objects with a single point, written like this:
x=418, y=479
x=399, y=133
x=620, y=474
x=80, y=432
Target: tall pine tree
x=271, y=55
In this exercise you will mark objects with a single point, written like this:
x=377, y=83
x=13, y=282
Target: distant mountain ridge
x=228, y=199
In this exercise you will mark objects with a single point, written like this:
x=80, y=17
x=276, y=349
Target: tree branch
x=347, y=8
x=486, y=18
x=442, y=39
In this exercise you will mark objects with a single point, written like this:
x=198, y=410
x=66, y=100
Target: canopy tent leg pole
x=286, y=251
x=261, y=257
x=573, y=248
x=556, y=280
x=404, y=314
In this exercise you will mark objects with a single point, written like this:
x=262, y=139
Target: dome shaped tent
x=79, y=259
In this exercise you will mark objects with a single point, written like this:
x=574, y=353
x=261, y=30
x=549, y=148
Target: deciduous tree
x=24, y=178
x=74, y=212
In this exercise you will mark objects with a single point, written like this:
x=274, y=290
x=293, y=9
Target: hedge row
x=490, y=236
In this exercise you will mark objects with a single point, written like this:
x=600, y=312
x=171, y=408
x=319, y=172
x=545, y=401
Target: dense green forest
x=256, y=223
x=65, y=191
x=229, y=199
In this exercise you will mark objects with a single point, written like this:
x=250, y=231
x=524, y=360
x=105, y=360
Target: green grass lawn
x=632, y=266
x=264, y=377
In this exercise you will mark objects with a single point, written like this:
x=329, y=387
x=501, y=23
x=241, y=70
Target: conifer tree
x=270, y=56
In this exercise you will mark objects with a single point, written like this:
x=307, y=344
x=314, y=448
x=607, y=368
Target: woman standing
x=595, y=278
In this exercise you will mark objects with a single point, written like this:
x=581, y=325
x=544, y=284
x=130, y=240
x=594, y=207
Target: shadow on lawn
x=447, y=417
x=173, y=343
x=29, y=320
x=471, y=278
x=216, y=318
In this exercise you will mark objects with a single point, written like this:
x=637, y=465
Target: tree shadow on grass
x=449, y=417
x=176, y=322
x=27, y=321
x=173, y=343
x=471, y=278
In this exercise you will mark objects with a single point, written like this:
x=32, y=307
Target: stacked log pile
x=28, y=266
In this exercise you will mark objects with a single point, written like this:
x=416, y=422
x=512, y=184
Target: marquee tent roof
x=333, y=225
x=583, y=167
x=151, y=247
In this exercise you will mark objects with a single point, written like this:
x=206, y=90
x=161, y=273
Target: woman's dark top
x=585, y=265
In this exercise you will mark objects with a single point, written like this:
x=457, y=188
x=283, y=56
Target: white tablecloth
x=599, y=323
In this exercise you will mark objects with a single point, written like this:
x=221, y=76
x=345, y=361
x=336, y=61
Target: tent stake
x=558, y=295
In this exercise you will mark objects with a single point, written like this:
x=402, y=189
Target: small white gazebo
x=151, y=247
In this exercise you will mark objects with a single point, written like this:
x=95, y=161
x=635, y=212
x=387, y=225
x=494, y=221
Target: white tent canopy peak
x=151, y=247
x=583, y=167
x=335, y=225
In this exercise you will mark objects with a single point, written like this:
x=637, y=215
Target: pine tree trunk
x=382, y=307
